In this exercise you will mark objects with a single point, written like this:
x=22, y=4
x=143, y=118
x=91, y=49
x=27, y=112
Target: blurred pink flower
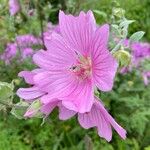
x=9, y=53
x=27, y=52
x=27, y=40
x=146, y=77
x=76, y=62
x=14, y=7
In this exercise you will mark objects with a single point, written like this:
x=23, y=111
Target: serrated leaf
x=135, y=37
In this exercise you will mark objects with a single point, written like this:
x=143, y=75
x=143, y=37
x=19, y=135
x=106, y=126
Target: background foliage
x=128, y=102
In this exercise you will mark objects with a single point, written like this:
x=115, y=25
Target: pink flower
x=77, y=61
x=9, y=53
x=146, y=77
x=26, y=52
x=27, y=40
x=14, y=7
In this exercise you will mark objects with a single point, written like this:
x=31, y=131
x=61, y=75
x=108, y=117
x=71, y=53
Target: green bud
x=16, y=81
x=118, y=12
x=34, y=110
x=123, y=57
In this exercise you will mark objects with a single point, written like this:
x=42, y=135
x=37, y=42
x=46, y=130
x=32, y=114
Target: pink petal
x=82, y=97
x=104, y=70
x=78, y=30
x=100, y=118
x=29, y=93
x=48, y=108
x=28, y=76
x=85, y=120
x=65, y=113
x=53, y=81
x=99, y=41
x=109, y=118
x=59, y=56
x=75, y=95
x=104, y=65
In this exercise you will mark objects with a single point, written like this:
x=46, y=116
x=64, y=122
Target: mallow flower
x=77, y=61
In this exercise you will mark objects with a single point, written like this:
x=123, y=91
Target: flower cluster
x=76, y=63
x=22, y=45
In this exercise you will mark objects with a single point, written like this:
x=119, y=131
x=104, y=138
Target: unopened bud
x=118, y=12
x=34, y=110
x=123, y=57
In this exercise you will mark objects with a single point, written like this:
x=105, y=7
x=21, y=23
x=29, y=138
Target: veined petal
x=103, y=64
x=110, y=120
x=75, y=95
x=99, y=41
x=100, y=118
x=65, y=113
x=48, y=108
x=78, y=31
x=58, y=57
x=29, y=93
x=104, y=70
x=28, y=76
x=82, y=97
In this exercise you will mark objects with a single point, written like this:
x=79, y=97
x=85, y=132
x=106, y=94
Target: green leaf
x=19, y=109
x=135, y=37
x=125, y=23
x=101, y=13
x=6, y=90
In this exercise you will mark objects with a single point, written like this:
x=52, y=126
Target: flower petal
x=103, y=63
x=29, y=93
x=82, y=97
x=28, y=76
x=100, y=118
x=65, y=113
x=58, y=57
x=48, y=108
x=109, y=118
x=78, y=31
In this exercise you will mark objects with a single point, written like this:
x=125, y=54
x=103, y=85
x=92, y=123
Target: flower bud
x=123, y=57
x=118, y=12
x=34, y=110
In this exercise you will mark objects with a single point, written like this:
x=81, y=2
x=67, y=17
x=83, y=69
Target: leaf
x=135, y=37
x=6, y=90
x=125, y=23
x=101, y=13
x=19, y=109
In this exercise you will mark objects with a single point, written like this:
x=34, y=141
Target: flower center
x=83, y=67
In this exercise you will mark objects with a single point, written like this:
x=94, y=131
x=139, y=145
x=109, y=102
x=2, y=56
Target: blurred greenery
x=129, y=102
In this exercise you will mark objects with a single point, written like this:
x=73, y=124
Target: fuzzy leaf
x=135, y=37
